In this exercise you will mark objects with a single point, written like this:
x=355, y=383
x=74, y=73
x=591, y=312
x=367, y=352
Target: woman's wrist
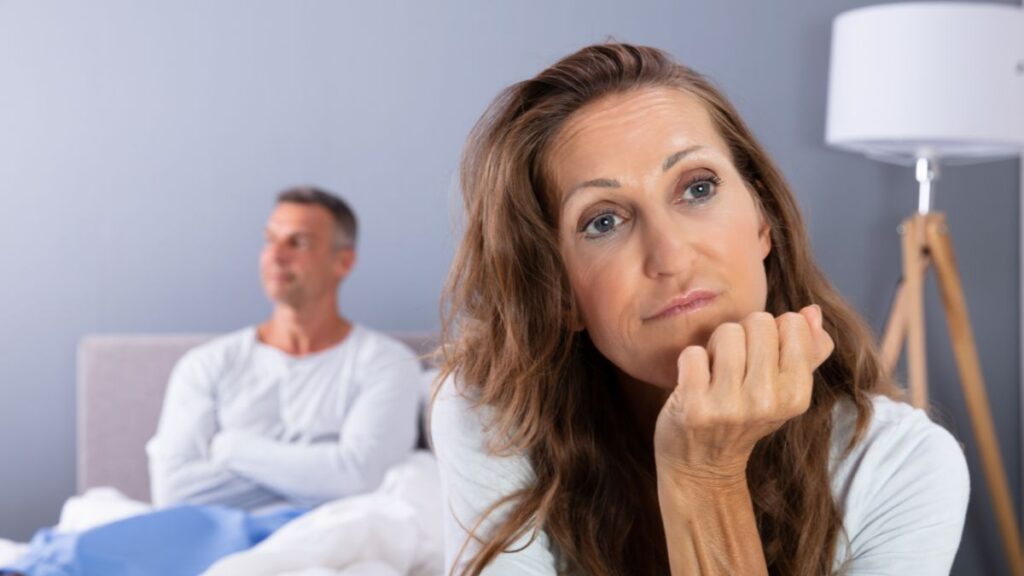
x=689, y=477
x=696, y=492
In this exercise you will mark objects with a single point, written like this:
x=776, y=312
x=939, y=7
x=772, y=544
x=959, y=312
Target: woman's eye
x=601, y=225
x=701, y=189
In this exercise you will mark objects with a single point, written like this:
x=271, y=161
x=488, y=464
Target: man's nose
x=667, y=247
x=277, y=251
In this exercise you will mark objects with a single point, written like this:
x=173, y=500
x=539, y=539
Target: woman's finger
x=727, y=351
x=694, y=369
x=796, y=348
x=693, y=382
x=762, y=349
x=822, y=341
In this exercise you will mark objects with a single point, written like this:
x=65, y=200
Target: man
x=304, y=408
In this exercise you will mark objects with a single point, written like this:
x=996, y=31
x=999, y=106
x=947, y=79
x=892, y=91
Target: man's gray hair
x=345, y=226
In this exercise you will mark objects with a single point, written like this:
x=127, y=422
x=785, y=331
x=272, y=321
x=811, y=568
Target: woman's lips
x=689, y=302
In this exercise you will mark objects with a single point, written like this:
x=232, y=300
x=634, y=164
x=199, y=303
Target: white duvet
x=11, y=551
x=393, y=531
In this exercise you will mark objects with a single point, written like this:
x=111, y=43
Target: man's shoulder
x=373, y=344
x=220, y=350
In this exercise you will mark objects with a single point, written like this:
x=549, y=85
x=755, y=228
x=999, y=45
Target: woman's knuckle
x=729, y=330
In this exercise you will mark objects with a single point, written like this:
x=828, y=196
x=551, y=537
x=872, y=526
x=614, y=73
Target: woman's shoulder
x=895, y=430
x=474, y=480
x=462, y=430
x=902, y=489
x=455, y=415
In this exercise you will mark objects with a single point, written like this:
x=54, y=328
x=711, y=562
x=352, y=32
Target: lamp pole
x=927, y=171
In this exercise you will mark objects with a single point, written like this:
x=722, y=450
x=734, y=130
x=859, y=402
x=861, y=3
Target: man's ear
x=344, y=261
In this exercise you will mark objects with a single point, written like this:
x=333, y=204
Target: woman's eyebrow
x=611, y=183
x=676, y=157
x=595, y=183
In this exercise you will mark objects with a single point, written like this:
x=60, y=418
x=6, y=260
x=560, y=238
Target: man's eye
x=601, y=225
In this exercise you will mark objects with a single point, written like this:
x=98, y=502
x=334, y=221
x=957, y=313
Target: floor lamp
x=917, y=84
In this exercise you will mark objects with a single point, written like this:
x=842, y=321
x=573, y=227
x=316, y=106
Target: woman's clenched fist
x=749, y=380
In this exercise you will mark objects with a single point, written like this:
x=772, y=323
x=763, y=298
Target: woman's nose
x=667, y=247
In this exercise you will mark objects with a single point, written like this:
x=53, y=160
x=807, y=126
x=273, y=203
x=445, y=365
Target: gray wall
x=141, y=142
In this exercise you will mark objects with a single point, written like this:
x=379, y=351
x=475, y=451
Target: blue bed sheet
x=184, y=540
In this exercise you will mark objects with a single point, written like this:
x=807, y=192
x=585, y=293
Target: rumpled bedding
x=393, y=531
x=11, y=551
x=176, y=541
x=98, y=506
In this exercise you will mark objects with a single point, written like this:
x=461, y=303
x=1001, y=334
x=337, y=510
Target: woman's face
x=660, y=235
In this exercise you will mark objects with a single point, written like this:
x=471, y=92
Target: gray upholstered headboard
x=121, y=383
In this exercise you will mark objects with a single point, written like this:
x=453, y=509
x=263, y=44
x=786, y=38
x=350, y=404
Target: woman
x=645, y=371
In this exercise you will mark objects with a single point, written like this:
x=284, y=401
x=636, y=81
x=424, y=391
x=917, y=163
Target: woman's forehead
x=631, y=131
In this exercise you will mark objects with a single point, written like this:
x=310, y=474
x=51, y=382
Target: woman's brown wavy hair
x=554, y=398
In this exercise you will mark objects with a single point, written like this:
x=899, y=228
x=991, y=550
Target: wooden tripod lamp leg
x=895, y=330
x=974, y=388
x=896, y=326
x=913, y=283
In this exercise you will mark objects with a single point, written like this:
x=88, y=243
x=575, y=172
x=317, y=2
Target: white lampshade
x=936, y=80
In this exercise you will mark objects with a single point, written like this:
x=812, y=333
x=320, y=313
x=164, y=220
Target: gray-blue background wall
x=141, y=144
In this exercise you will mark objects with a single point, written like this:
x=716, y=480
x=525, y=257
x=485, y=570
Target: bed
x=120, y=388
x=392, y=531
x=395, y=530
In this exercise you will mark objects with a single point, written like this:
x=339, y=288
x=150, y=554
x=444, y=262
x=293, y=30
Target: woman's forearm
x=710, y=529
x=748, y=381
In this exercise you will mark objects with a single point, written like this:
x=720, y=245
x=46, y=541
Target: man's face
x=299, y=262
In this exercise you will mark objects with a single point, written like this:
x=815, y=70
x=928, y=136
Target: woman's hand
x=752, y=377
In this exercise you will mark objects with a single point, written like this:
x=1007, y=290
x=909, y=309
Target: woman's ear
x=764, y=227
x=764, y=237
